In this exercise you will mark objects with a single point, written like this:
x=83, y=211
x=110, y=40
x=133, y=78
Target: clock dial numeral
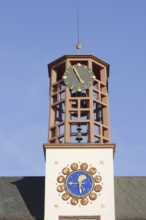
x=93, y=77
x=64, y=77
x=79, y=89
x=78, y=64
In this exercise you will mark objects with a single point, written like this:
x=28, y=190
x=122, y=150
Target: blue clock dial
x=79, y=183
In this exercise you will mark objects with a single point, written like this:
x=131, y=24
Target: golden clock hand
x=80, y=189
x=71, y=183
x=77, y=74
x=83, y=189
x=81, y=178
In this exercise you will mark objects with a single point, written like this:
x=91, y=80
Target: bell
x=79, y=137
x=79, y=128
x=79, y=134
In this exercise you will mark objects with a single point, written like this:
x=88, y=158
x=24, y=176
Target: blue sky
x=33, y=33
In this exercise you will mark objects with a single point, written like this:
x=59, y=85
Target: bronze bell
x=79, y=137
x=79, y=134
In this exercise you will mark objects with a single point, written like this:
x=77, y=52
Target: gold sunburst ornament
x=79, y=183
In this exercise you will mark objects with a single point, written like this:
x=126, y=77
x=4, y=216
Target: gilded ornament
x=84, y=166
x=84, y=201
x=66, y=171
x=97, y=179
x=61, y=188
x=74, y=166
x=60, y=179
x=92, y=170
x=98, y=188
x=93, y=196
x=74, y=201
x=65, y=196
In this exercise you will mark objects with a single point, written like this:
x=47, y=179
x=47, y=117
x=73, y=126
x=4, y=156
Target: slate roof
x=130, y=198
x=22, y=198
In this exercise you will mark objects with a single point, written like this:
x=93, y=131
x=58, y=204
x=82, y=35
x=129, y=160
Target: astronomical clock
x=79, y=183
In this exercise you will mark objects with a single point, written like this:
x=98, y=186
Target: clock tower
x=79, y=182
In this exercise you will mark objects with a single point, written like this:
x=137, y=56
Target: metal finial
x=78, y=46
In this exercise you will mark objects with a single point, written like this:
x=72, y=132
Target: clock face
x=78, y=77
x=79, y=183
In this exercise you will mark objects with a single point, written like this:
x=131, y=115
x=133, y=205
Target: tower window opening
x=73, y=139
x=96, y=69
x=53, y=132
x=61, y=85
x=84, y=62
x=79, y=134
x=96, y=140
x=96, y=129
x=53, y=141
x=59, y=112
x=104, y=99
x=105, y=141
x=54, y=88
x=105, y=132
x=62, y=95
x=96, y=85
x=61, y=129
x=84, y=103
x=103, y=88
x=54, y=97
x=63, y=108
x=85, y=115
x=74, y=103
x=95, y=95
x=60, y=69
x=97, y=111
x=83, y=93
x=73, y=115
x=61, y=139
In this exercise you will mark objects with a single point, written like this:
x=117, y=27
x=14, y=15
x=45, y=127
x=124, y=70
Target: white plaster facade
x=57, y=159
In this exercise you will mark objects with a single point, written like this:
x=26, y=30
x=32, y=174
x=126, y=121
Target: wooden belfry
x=79, y=114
